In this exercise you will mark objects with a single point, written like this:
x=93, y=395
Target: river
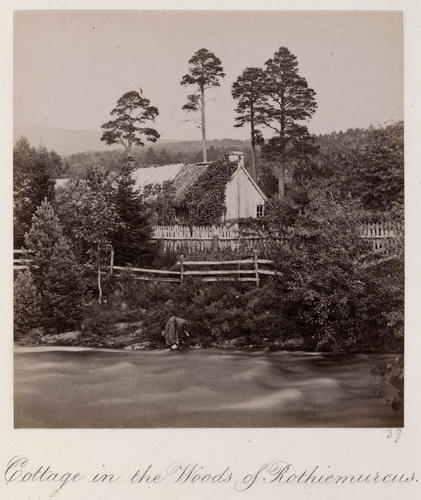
x=93, y=388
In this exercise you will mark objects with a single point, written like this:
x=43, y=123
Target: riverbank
x=129, y=336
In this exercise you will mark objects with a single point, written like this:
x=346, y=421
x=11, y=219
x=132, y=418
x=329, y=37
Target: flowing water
x=72, y=387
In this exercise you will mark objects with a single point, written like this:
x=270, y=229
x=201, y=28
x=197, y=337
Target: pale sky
x=70, y=67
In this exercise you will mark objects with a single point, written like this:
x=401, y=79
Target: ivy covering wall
x=205, y=200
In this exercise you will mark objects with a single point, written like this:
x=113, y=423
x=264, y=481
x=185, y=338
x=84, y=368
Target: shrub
x=62, y=289
x=393, y=373
x=57, y=275
x=328, y=290
x=27, y=304
x=99, y=318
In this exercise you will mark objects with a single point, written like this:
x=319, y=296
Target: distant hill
x=71, y=141
x=63, y=141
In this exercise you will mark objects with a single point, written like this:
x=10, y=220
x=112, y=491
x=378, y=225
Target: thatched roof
x=182, y=176
x=185, y=179
x=156, y=175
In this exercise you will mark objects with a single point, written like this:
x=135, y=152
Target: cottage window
x=260, y=211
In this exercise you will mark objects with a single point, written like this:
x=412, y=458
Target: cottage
x=243, y=197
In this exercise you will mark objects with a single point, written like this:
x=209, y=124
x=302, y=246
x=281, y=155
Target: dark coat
x=174, y=331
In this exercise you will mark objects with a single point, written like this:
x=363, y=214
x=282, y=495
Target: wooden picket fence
x=382, y=235
x=183, y=239
x=179, y=239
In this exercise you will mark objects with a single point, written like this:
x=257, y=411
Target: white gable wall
x=242, y=196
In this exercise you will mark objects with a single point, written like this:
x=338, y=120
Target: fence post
x=111, y=260
x=215, y=242
x=181, y=267
x=256, y=269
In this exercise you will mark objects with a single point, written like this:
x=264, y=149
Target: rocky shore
x=130, y=336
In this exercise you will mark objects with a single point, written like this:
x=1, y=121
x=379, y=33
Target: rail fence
x=242, y=270
x=181, y=238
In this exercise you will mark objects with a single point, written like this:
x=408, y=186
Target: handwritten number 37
x=394, y=433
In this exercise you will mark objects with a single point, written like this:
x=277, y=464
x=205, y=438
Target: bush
x=99, y=318
x=27, y=304
x=164, y=259
x=393, y=372
x=329, y=291
x=57, y=275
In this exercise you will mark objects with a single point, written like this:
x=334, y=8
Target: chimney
x=236, y=157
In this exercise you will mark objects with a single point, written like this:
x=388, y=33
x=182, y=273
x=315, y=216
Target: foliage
x=164, y=259
x=132, y=239
x=88, y=211
x=33, y=174
x=128, y=128
x=376, y=166
x=384, y=302
x=63, y=289
x=158, y=154
x=248, y=91
x=56, y=274
x=289, y=101
x=79, y=163
x=98, y=319
x=27, y=304
x=267, y=179
x=365, y=164
x=217, y=313
x=394, y=374
x=209, y=209
x=159, y=200
x=331, y=291
x=205, y=71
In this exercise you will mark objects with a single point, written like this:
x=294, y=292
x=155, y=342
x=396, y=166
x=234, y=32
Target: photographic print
x=208, y=219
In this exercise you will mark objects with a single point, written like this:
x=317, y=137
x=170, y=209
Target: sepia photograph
x=208, y=219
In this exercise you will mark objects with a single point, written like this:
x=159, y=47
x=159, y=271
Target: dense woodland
x=333, y=292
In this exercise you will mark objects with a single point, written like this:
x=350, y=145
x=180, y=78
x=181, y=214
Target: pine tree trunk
x=253, y=147
x=281, y=180
x=253, y=161
x=281, y=174
x=99, y=276
x=204, y=150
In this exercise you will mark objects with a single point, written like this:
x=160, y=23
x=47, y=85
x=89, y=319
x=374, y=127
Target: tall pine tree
x=290, y=101
x=205, y=71
x=133, y=111
x=248, y=91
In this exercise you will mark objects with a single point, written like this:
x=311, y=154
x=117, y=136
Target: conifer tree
x=289, y=102
x=27, y=303
x=57, y=276
x=131, y=241
x=248, y=91
x=128, y=128
x=205, y=71
x=34, y=171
